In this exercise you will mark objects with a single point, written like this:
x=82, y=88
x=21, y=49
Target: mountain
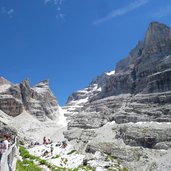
x=78, y=99
x=38, y=100
x=127, y=113
x=30, y=112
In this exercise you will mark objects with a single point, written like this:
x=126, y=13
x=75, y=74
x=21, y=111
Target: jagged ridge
x=38, y=100
x=132, y=112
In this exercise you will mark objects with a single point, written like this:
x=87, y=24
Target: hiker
x=64, y=144
x=1, y=149
x=38, y=143
x=51, y=149
x=4, y=145
x=44, y=140
x=84, y=162
x=6, y=142
x=49, y=141
x=31, y=145
x=45, y=153
x=58, y=144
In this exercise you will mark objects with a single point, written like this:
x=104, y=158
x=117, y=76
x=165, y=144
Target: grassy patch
x=43, y=162
x=29, y=162
x=27, y=165
x=55, y=157
x=25, y=154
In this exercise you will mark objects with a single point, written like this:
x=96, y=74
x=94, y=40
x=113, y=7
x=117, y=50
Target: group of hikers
x=62, y=144
x=5, y=143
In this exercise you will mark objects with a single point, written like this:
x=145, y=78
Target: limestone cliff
x=38, y=100
x=129, y=117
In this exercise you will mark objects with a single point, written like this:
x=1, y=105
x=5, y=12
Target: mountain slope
x=130, y=117
x=33, y=111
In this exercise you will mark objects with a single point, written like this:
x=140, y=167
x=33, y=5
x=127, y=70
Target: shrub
x=57, y=156
x=43, y=162
x=72, y=151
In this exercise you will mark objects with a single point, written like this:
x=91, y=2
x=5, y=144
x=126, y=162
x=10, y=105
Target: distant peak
x=42, y=83
x=156, y=24
x=25, y=82
x=4, y=81
x=45, y=81
x=157, y=32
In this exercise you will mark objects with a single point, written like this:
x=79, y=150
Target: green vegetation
x=55, y=157
x=72, y=151
x=27, y=165
x=42, y=162
x=64, y=161
x=86, y=168
x=25, y=154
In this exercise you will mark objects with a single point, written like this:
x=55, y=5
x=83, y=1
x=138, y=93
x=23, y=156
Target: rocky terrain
x=38, y=100
x=29, y=112
x=127, y=113
x=124, y=114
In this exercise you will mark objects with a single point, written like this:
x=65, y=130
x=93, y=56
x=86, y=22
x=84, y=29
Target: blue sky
x=70, y=42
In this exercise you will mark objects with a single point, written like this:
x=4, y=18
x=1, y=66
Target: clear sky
x=70, y=42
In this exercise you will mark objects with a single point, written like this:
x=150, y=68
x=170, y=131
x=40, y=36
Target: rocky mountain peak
x=145, y=70
x=38, y=100
x=157, y=42
x=157, y=39
x=42, y=83
x=157, y=32
x=4, y=81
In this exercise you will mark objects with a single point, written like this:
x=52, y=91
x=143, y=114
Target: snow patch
x=39, y=89
x=62, y=119
x=82, y=100
x=4, y=87
x=110, y=73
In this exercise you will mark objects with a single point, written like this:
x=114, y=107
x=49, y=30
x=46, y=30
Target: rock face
x=6, y=130
x=129, y=117
x=146, y=135
x=37, y=100
x=147, y=68
x=78, y=99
